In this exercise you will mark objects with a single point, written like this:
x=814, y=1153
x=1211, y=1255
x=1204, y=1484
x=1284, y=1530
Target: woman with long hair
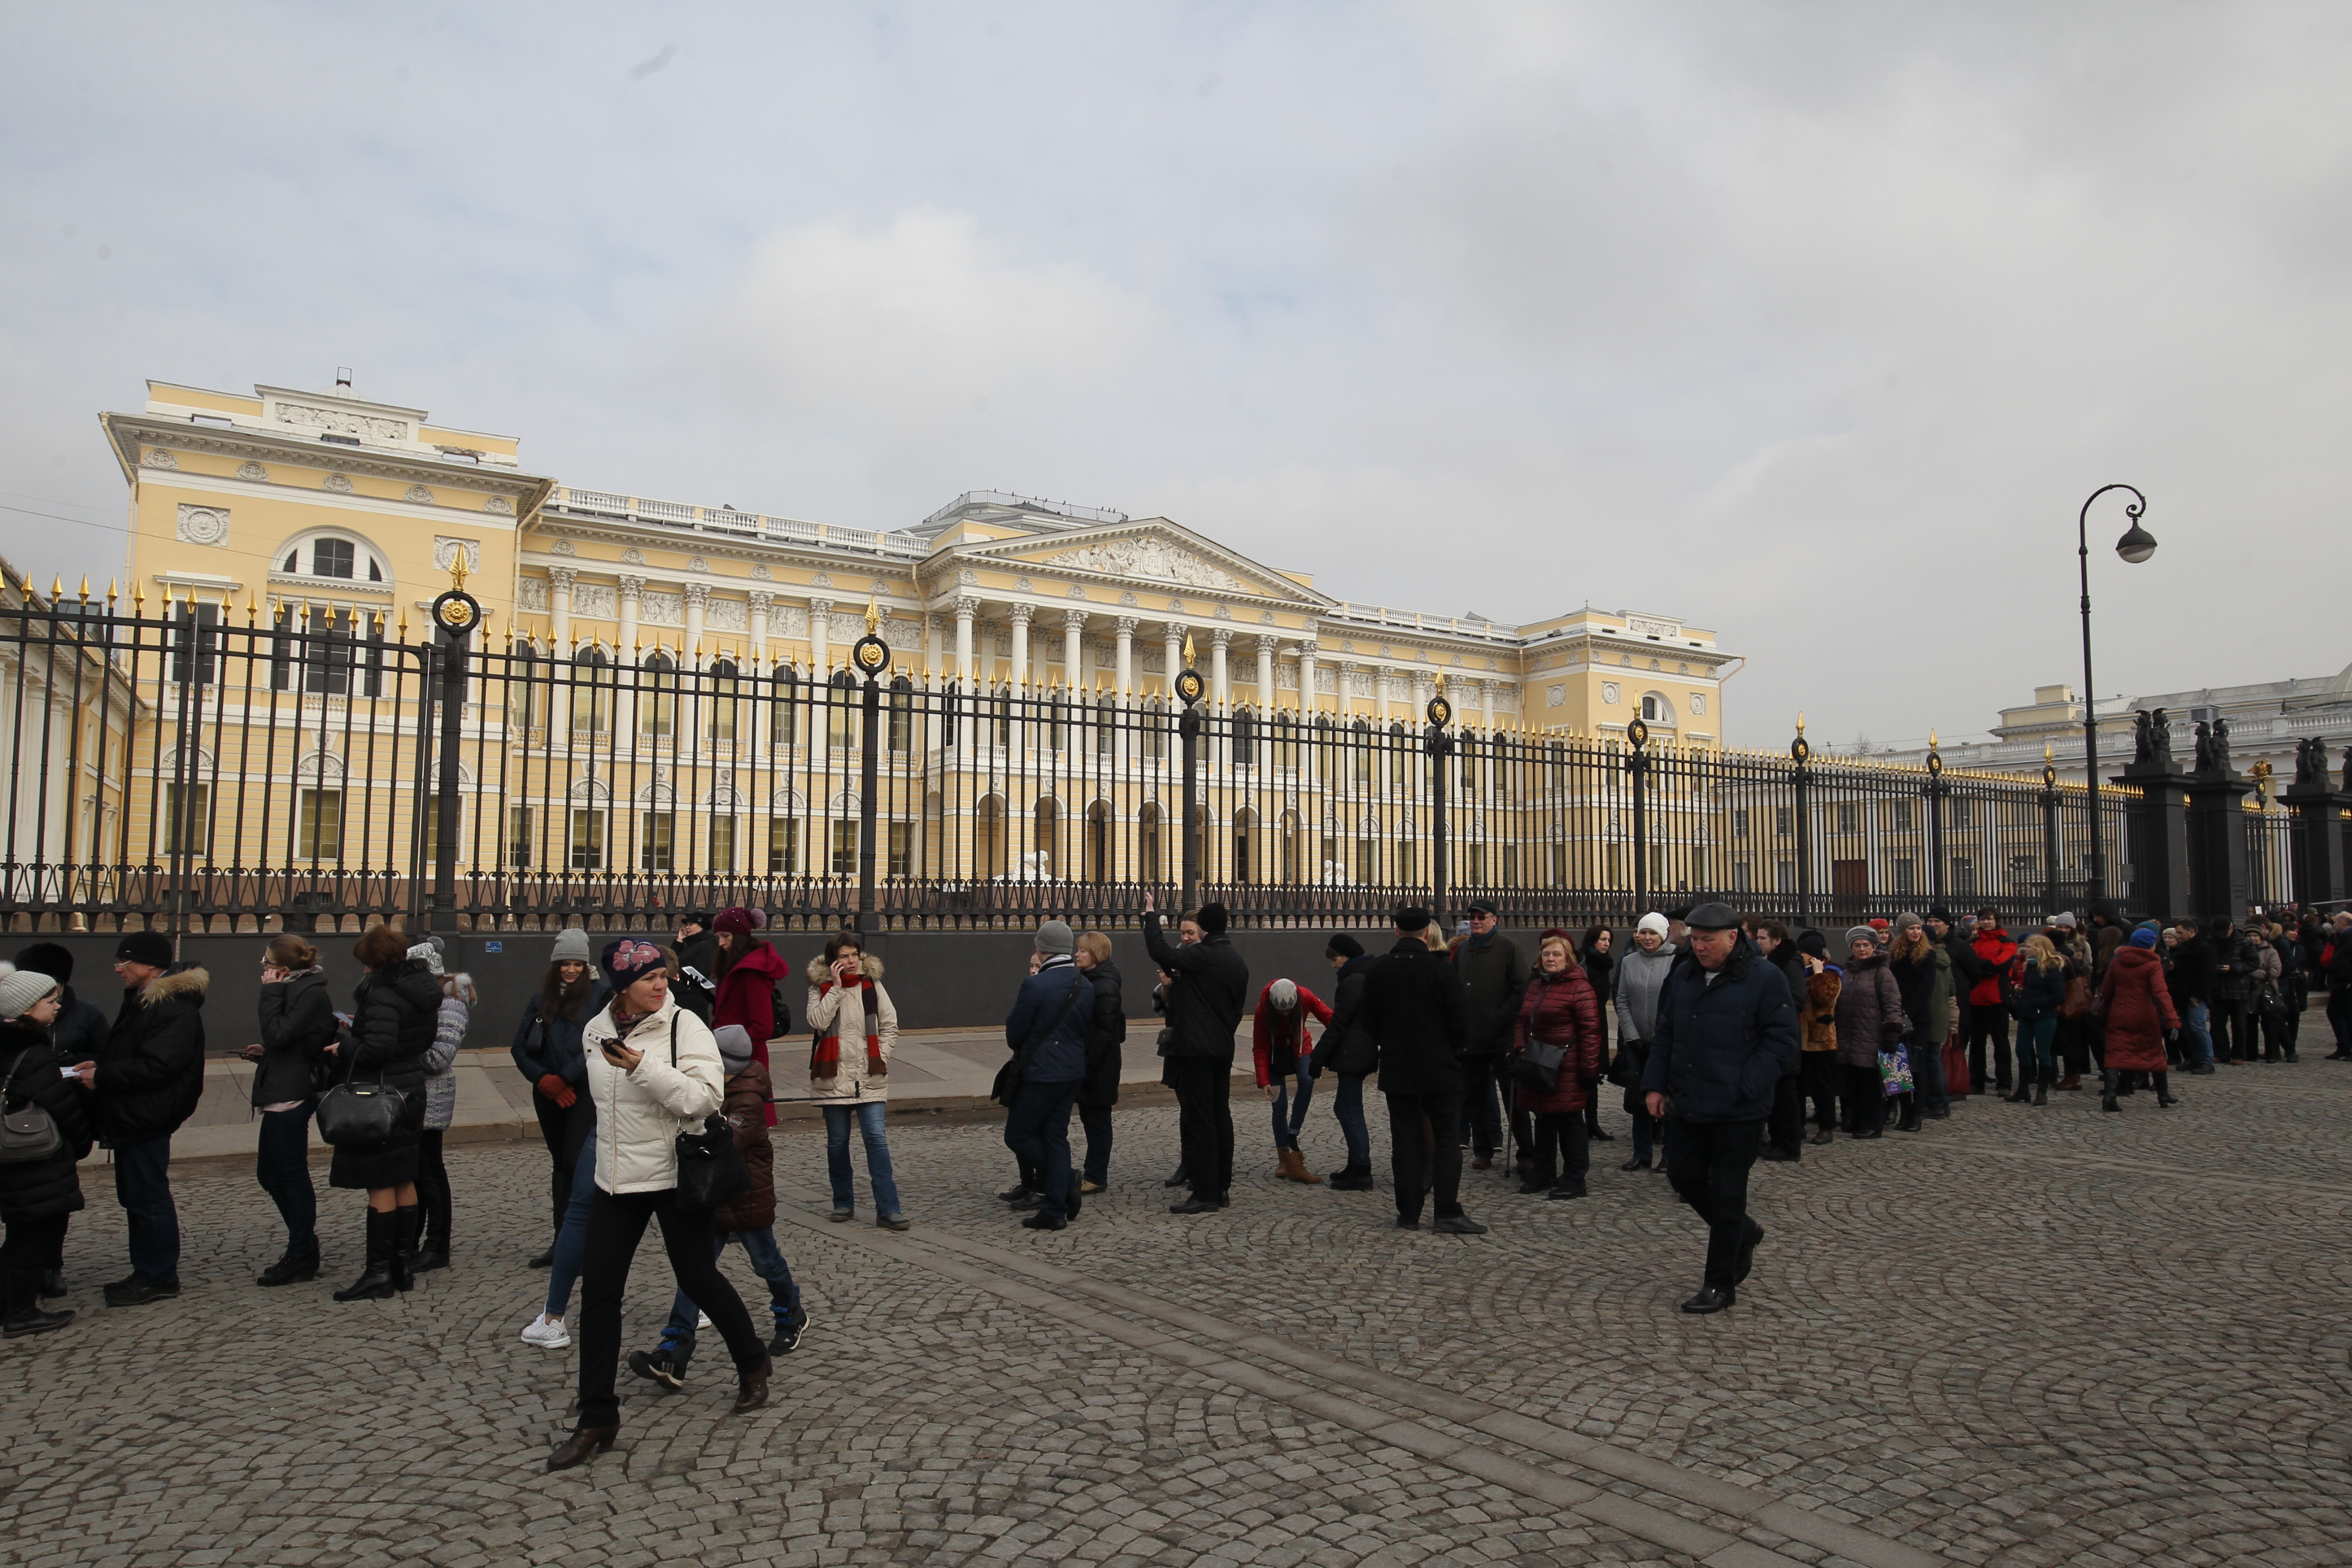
x=750, y=971
x=396, y=1012
x=1923, y=973
x=297, y=1034
x=2044, y=994
x=1597, y=956
x=548, y=1053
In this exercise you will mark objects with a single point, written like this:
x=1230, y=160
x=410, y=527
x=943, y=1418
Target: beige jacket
x=640, y=1114
x=851, y=1085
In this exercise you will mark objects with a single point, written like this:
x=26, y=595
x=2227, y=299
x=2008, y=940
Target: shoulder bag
x=1008, y=1076
x=1539, y=1066
x=28, y=1133
x=710, y=1168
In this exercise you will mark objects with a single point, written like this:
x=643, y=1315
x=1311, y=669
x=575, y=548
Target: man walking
x=146, y=1080
x=1207, y=993
x=1416, y=1013
x=1725, y=1032
x=1496, y=977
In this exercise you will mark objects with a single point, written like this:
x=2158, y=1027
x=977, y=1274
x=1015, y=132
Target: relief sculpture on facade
x=1151, y=558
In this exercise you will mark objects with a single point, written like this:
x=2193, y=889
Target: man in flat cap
x=1725, y=1032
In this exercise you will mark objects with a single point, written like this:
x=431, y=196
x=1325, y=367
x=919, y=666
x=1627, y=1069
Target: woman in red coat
x=748, y=971
x=1559, y=1009
x=2137, y=1007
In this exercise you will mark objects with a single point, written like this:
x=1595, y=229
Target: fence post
x=2049, y=836
x=1933, y=792
x=871, y=655
x=1800, y=753
x=1637, y=769
x=180, y=895
x=2316, y=841
x=1188, y=687
x=1440, y=712
x=455, y=615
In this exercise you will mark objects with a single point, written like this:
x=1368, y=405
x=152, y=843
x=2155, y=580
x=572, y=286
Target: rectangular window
x=902, y=849
x=191, y=828
x=1960, y=815
x=1784, y=820
x=1902, y=817
x=1740, y=823
x=332, y=558
x=1367, y=861
x=432, y=831
x=1784, y=874
x=1559, y=865
x=519, y=836
x=902, y=720
x=195, y=646
x=1849, y=817
x=844, y=849
x=1964, y=877
x=319, y=826
x=722, y=844
x=1477, y=864
x=1511, y=866
x=658, y=704
x=783, y=846
x=654, y=840
x=1742, y=879
x=587, y=841
x=1905, y=877
x=841, y=717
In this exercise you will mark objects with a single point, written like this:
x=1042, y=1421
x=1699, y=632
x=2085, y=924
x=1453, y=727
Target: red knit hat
x=736, y=922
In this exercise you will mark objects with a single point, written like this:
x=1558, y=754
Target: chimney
x=342, y=378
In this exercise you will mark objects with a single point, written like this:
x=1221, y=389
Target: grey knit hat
x=1861, y=933
x=1055, y=937
x=572, y=947
x=20, y=989
x=1907, y=920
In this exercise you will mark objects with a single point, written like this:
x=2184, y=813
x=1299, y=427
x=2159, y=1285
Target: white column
x=697, y=600
x=1382, y=676
x=759, y=599
x=966, y=607
x=1487, y=705
x=1074, y=649
x=1306, y=679
x=1020, y=617
x=558, y=607
x=1126, y=671
x=1347, y=682
x=820, y=725
x=1219, y=687
x=1173, y=635
x=820, y=629
x=1265, y=676
x=630, y=588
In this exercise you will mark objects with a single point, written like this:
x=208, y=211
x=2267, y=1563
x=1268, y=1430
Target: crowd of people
x=650, y=1073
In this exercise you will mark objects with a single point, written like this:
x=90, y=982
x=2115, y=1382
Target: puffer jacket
x=1721, y=1049
x=151, y=1071
x=398, y=1014
x=1104, y=1040
x=1870, y=1017
x=2043, y=992
x=2235, y=967
x=543, y=1046
x=440, y=1061
x=1640, y=977
x=1817, y=1013
x=1560, y=1010
x=1045, y=1012
x=42, y=1189
x=746, y=1106
x=297, y=1025
x=832, y=1007
x=640, y=1114
x=1275, y=1037
x=1989, y=954
x=2136, y=1009
x=1344, y=1048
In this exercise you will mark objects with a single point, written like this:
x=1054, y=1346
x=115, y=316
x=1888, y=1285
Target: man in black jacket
x=2337, y=975
x=145, y=1081
x=1103, y=1039
x=1496, y=976
x=697, y=967
x=1417, y=1012
x=1725, y=1032
x=1348, y=1052
x=2191, y=983
x=1208, y=993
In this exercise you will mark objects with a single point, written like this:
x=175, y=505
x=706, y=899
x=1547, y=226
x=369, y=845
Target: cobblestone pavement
x=2022, y=1337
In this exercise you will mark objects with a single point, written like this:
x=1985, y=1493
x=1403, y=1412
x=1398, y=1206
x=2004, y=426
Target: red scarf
x=825, y=1056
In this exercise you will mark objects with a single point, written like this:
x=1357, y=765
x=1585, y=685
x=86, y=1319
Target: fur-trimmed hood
x=191, y=983
x=819, y=971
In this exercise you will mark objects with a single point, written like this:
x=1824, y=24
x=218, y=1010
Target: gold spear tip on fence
x=1801, y=720
x=84, y=587
x=873, y=615
x=56, y=589
x=1188, y=644
x=457, y=570
x=2047, y=754
x=113, y=590
x=252, y=608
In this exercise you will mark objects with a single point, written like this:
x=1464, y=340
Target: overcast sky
x=1812, y=324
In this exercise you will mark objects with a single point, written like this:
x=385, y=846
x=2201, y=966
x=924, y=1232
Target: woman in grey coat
x=457, y=998
x=1869, y=1019
x=1641, y=975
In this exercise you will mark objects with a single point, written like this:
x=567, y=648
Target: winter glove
x=556, y=1089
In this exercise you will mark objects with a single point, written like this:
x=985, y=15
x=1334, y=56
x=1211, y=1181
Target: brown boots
x=1293, y=1167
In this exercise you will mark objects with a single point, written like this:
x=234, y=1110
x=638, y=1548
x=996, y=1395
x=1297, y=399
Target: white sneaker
x=548, y=1333
x=701, y=1321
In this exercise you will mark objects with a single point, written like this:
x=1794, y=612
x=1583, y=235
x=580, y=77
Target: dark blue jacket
x=1061, y=1057
x=80, y=1028
x=556, y=1046
x=1718, y=1051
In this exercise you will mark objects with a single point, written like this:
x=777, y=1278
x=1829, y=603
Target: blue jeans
x=1347, y=1111
x=572, y=1237
x=2193, y=1035
x=767, y=1262
x=2033, y=1041
x=1290, y=1113
x=282, y=1165
x=1037, y=1131
x=877, y=1157
x=143, y=1185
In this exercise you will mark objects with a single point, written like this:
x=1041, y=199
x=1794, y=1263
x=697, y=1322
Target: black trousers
x=1037, y=1131
x=35, y=1246
x=1708, y=1162
x=563, y=1131
x=617, y=1222
x=1864, y=1094
x=433, y=1187
x=1425, y=1151
x=1563, y=1147
x=1204, y=1123
x=1482, y=1088
x=1096, y=1119
x=1989, y=1023
x=1785, y=1128
x=1817, y=1073
x=2075, y=1045
x=2233, y=1033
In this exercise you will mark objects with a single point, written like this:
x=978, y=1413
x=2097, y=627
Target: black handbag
x=28, y=1133
x=710, y=1167
x=361, y=1115
x=1539, y=1065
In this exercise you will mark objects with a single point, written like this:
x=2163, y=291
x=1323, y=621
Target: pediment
x=1148, y=554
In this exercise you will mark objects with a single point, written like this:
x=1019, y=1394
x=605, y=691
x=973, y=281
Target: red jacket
x=2137, y=1010
x=747, y=996
x=1272, y=1027
x=1994, y=948
x=1561, y=1010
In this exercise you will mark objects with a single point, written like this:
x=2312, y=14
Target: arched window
x=1244, y=836
x=1360, y=743
x=1098, y=842
x=988, y=846
x=1244, y=739
x=1154, y=719
x=784, y=729
x=934, y=834
x=1367, y=850
x=724, y=686
x=841, y=713
x=332, y=553
x=1046, y=818
x=1657, y=708
x=657, y=697
x=902, y=715
x=523, y=693
x=1147, y=841
x=1398, y=768
x=1290, y=847
x=1106, y=725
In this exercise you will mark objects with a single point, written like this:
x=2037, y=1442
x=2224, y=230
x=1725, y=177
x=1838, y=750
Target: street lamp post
x=2136, y=546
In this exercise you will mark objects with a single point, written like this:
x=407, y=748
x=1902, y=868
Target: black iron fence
x=208, y=769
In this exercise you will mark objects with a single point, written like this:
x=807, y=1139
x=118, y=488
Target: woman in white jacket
x=853, y=1031
x=654, y=1071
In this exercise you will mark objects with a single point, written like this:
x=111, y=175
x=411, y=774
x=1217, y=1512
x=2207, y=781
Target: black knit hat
x=1815, y=945
x=1212, y=919
x=1342, y=945
x=152, y=948
x=49, y=958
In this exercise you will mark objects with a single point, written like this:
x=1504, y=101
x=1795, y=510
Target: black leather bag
x=1539, y=1066
x=710, y=1168
x=29, y=1134
x=361, y=1115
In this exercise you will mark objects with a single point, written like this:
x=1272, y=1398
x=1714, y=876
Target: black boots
x=1351, y=1179
x=377, y=1283
x=24, y=1314
x=409, y=1222
x=2108, y=1090
x=291, y=1266
x=2164, y=1096
x=2042, y=1086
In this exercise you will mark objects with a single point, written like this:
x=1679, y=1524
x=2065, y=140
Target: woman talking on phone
x=654, y=1069
x=855, y=1027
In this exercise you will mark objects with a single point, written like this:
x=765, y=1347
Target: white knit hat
x=1284, y=995
x=1653, y=922
x=21, y=990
